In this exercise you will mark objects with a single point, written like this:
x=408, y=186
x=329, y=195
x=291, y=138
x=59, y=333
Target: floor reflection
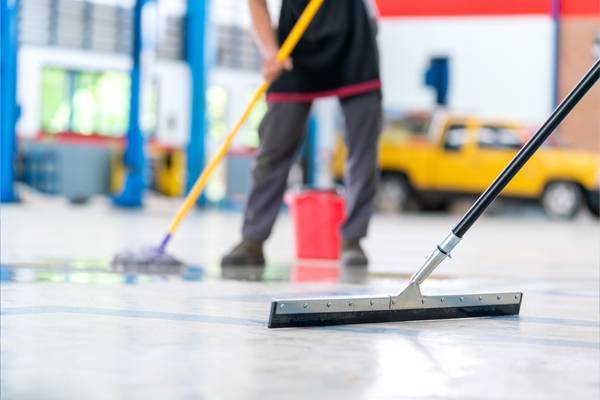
x=151, y=269
x=104, y=274
x=354, y=274
x=301, y=271
x=243, y=273
x=307, y=271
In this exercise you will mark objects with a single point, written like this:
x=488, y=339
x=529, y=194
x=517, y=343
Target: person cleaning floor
x=336, y=56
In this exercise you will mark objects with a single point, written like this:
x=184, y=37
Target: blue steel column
x=8, y=93
x=313, y=142
x=195, y=54
x=134, y=153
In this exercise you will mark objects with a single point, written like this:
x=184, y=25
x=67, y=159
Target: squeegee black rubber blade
x=371, y=317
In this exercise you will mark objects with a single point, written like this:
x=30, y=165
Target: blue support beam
x=8, y=94
x=134, y=152
x=312, y=141
x=196, y=57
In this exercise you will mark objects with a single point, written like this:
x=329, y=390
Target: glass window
x=456, y=136
x=217, y=99
x=149, y=107
x=84, y=103
x=56, y=104
x=216, y=110
x=93, y=102
x=112, y=97
x=498, y=137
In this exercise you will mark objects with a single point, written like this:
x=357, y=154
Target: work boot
x=248, y=252
x=352, y=253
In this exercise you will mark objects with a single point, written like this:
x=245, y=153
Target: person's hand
x=272, y=68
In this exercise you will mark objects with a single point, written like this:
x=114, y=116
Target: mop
x=410, y=304
x=157, y=255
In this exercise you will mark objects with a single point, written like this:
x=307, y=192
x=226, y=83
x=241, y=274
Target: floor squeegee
x=410, y=304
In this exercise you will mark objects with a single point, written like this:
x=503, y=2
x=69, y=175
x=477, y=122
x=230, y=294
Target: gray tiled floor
x=72, y=329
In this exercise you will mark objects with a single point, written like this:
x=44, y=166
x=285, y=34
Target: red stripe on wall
x=414, y=8
x=580, y=8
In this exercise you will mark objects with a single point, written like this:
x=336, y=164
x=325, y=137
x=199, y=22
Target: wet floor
x=74, y=327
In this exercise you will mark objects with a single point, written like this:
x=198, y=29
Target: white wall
x=498, y=65
x=173, y=78
x=174, y=102
x=237, y=12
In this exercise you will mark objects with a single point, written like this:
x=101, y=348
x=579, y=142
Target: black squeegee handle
x=559, y=114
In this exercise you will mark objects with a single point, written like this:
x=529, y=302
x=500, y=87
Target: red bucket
x=316, y=220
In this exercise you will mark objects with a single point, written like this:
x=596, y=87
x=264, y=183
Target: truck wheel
x=594, y=205
x=561, y=200
x=393, y=193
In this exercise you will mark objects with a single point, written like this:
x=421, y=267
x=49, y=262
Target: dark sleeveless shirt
x=336, y=56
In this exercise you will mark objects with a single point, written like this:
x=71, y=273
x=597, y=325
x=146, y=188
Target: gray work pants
x=282, y=131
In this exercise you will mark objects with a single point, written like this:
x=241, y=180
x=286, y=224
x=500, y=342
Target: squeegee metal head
x=410, y=305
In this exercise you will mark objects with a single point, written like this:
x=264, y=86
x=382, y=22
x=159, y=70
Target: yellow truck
x=460, y=156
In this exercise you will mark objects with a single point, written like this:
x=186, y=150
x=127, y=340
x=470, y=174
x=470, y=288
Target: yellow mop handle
x=284, y=52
